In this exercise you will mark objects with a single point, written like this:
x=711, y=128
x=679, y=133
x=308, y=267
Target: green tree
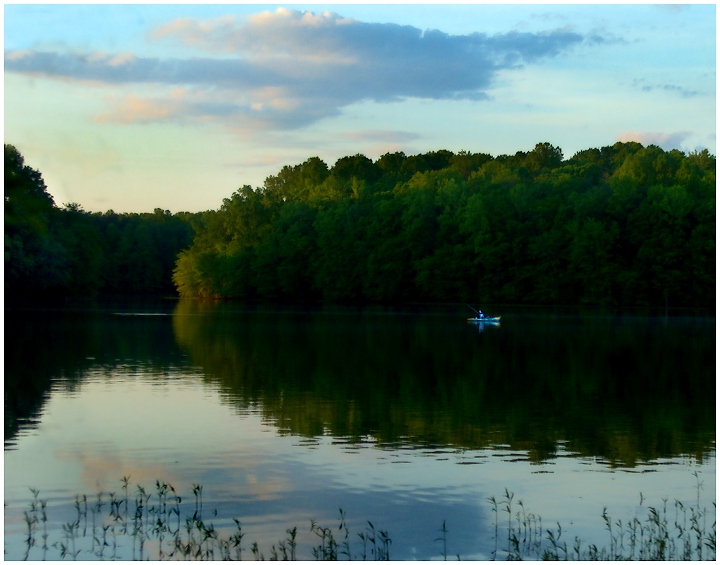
x=591, y=256
x=36, y=263
x=544, y=156
x=622, y=224
x=388, y=276
x=296, y=182
x=28, y=205
x=467, y=163
x=340, y=260
x=358, y=166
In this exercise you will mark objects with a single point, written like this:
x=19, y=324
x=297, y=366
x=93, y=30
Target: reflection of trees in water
x=626, y=391
x=622, y=390
x=45, y=349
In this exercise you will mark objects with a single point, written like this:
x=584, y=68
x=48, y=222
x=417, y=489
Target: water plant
x=657, y=537
x=155, y=529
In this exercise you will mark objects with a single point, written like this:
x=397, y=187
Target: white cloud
x=288, y=69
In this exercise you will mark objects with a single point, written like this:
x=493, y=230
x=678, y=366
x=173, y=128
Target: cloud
x=121, y=59
x=134, y=109
x=672, y=7
x=666, y=141
x=286, y=69
x=673, y=88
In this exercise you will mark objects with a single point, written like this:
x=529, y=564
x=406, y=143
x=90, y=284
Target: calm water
x=403, y=417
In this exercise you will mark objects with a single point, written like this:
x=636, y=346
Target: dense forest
x=53, y=253
x=620, y=225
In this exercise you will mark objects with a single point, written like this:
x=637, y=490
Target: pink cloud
x=666, y=141
x=133, y=109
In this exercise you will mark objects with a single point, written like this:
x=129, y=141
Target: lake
x=407, y=418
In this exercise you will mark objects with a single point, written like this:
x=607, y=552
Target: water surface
x=406, y=417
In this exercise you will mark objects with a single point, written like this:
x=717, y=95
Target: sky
x=175, y=106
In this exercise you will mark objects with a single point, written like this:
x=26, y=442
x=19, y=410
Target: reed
x=107, y=529
x=658, y=536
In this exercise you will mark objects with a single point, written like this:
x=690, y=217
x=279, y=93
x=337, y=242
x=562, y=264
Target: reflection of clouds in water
x=273, y=482
x=181, y=433
x=265, y=489
x=102, y=469
x=313, y=490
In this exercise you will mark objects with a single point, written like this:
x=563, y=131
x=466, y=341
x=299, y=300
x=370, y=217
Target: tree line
x=619, y=225
x=54, y=253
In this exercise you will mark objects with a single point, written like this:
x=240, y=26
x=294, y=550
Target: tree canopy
x=619, y=225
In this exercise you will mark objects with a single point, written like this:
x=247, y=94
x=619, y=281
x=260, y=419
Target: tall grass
x=148, y=524
x=665, y=533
